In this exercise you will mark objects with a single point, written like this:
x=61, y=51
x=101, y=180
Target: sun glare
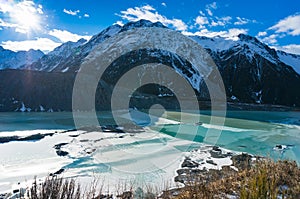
x=27, y=20
x=25, y=15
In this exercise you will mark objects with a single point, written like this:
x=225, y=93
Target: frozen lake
x=152, y=155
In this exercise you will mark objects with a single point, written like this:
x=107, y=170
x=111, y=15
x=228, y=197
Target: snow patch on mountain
x=24, y=108
x=290, y=59
x=247, y=45
x=65, y=70
x=42, y=109
x=215, y=44
x=113, y=30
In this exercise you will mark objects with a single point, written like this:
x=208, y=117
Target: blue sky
x=45, y=24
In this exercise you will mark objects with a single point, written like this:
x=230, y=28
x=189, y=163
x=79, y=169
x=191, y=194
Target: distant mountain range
x=16, y=60
x=252, y=72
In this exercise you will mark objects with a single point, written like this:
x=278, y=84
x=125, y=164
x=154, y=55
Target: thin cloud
x=70, y=12
x=261, y=34
x=64, y=35
x=40, y=9
x=210, y=7
x=164, y=4
x=283, y=28
x=209, y=19
x=7, y=25
x=120, y=23
x=86, y=15
x=291, y=48
x=271, y=39
x=201, y=21
x=221, y=21
x=148, y=7
x=231, y=34
x=202, y=13
x=43, y=44
x=149, y=13
x=17, y=28
x=289, y=25
x=242, y=21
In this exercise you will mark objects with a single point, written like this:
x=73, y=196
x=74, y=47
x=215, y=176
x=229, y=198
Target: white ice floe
x=224, y=128
x=27, y=133
x=140, y=118
x=22, y=161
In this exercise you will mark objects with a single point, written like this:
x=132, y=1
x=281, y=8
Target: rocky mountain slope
x=13, y=60
x=252, y=72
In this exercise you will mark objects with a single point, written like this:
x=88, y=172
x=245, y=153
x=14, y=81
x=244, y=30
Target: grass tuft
x=265, y=179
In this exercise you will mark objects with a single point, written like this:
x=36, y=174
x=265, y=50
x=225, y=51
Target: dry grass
x=265, y=180
x=54, y=187
x=271, y=180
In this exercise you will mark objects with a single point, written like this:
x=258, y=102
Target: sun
x=27, y=20
x=26, y=16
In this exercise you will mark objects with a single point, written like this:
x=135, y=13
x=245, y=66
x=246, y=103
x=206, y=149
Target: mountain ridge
x=252, y=71
x=15, y=60
x=86, y=46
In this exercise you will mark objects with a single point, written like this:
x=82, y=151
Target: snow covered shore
x=139, y=159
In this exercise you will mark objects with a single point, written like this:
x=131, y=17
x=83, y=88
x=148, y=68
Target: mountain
x=51, y=61
x=252, y=73
x=14, y=60
x=252, y=46
x=69, y=56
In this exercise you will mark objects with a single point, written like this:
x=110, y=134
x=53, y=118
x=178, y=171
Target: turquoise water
x=252, y=132
x=248, y=131
x=33, y=121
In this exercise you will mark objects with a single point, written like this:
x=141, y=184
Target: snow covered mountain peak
x=254, y=41
x=108, y=32
x=252, y=46
x=247, y=38
x=66, y=48
x=246, y=45
x=115, y=29
x=143, y=23
x=14, y=60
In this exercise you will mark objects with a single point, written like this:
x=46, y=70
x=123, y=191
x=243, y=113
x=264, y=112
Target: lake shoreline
x=203, y=105
x=203, y=159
